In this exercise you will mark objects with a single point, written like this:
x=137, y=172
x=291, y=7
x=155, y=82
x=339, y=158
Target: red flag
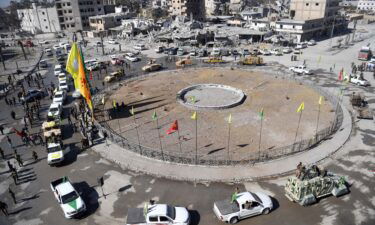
x=340, y=75
x=173, y=128
x=19, y=133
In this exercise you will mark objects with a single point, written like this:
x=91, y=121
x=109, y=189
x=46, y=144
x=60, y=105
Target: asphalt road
x=124, y=189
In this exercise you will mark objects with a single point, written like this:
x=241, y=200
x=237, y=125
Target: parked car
x=202, y=52
x=158, y=214
x=151, y=67
x=193, y=52
x=301, y=45
x=98, y=44
x=301, y=69
x=245, y=52
x=115, y=60
x=60, y=97
x=215, y=52
x=140, y=47
x=55, y=111
x=68, y=198
x=241, y=206
x=63, y=85
x=311, y=42
x=76, y=94
x=112, y=42
x=43, y=63
x=132, y=58
x=180, y=51
x=264, y=52
x=32, y=95
x=159, y=49
x=234, y=52
x=276, y=51
x=43, y=42
x=287, y=50
x=48, y=52
x=172, y=51
x=54, y=47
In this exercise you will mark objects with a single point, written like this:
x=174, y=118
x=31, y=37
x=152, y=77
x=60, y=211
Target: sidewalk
x=129, y=160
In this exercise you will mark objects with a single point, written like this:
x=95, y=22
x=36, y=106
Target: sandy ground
x=279, y=98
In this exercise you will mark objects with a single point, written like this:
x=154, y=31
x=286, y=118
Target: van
x=215, y=52
x=140, y=47
x=58, y=69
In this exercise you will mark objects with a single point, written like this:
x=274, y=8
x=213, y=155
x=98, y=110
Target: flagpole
x=317, y=123
x=179, y=141
x=161, y=146
x=260, y=135
x=196, y=140
x=299, y=120
x=228, y=142
x=136, y=128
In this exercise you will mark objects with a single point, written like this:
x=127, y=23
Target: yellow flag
x=114, y=103
x=320, y=100
x=72, y=65
x=230, y=118
x=194, y=116
x=301, y=107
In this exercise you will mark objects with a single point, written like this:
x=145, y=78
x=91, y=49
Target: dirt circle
x=279, y=98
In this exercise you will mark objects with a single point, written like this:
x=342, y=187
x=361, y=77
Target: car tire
x=359, y=84
x=266, y=211
x=233, y=220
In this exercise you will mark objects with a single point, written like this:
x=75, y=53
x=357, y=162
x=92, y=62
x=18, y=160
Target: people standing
x=12, y=195
x=2, y=129
x=13, y=115
x=9, y=142
x=14, y=176
x=2, y=153
x=19, y=160
x=35, y=156
x=4, y=208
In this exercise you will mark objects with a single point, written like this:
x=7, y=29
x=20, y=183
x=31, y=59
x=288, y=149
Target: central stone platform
x=210, y=97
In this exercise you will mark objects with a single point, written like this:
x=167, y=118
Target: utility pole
x=23, y=50
x=101, y=39
x=333, y=27
x=1, y=56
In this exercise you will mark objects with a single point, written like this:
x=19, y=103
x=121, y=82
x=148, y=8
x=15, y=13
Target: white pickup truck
x=244, y=205
x=158, y=214
x=69, y=199
x=358, y=80
x=55, y=153
x=301, y=69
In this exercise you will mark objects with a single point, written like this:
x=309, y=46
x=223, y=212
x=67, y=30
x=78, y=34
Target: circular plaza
x=233, y=131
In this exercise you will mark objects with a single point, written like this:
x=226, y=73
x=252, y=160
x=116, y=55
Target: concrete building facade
x=366, y=5
x=74, y=14
x=313, y=9
x=39, y=20
x=194, y=8
x=104, y=22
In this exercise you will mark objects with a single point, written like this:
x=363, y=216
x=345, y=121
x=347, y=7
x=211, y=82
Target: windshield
x=62, y=84
x=256, y=197
x=59, y=96
x=69, y=197
x=53, y=109
x=171, y=212
x=53, y=149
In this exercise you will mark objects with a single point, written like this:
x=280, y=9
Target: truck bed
x=226, y=207
x=57, y=182
x=135, y=216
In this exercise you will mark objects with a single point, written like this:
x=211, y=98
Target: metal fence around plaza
x=200, y=159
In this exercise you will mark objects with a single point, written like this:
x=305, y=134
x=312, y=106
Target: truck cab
x=55, y=153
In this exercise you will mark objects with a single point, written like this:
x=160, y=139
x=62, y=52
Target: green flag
x=154, y=116
x=234, y=197
x=261, y=114
x=73, y=204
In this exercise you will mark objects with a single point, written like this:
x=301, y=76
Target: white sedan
x=301, y=69
x=359, y=81
x=59, y=97
x=112, y=42
x=63, y=86
x=132, y=58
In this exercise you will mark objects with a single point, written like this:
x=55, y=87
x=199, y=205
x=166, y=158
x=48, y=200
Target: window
x=307, y=4
x=153, y=219
x=43, y=13
x=68, y=3
x=46, y=27
x=163, y=219
x=72, y=25
x=316, y=4
x=70, y=11
x=44, y=20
